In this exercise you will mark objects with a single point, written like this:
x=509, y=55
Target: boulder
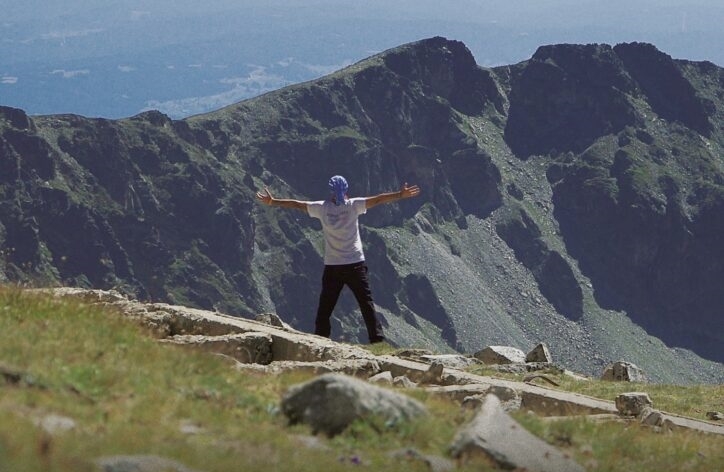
x=623, y=372
x=498, y=438
x=540, y=353
x=500, y=355
x=633, y=403
x=331, y=402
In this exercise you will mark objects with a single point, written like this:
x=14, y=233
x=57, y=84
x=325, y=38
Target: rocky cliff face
x=575, y=198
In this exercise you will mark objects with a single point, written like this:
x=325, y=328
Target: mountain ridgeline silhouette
x=575, y=198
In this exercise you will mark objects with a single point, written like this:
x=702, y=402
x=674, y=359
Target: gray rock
x=500, y=355
x=623, y=372
x=382, y=378
x=434, y=374
x=331, y=402
x=403, y=382
x=414, y=354
x=271, y=319
x=434, y=463
x=509, y=399
x=189, y=427
x=451, y=361
x=540, y=353
x=54, y=424
x=140, y=463
x=521, y=368
x=497, y=436
x=576, y=376
x=248, y=348
x=633, y=403
x=651, y=417
x=311, y=442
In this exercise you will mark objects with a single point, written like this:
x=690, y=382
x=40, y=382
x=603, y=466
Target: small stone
x=189, y=427
x=651, y=417
x=434, y=463
x=54, y=424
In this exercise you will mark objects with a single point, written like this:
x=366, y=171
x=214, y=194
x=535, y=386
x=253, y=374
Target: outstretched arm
x=405, y=192
x=268, y=199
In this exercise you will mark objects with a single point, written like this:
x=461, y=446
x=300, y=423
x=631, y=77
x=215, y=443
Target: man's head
x=338, y=185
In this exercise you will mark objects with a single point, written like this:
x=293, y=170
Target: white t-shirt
x=342, y=243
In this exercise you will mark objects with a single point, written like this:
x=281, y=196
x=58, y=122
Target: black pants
x=335, y=277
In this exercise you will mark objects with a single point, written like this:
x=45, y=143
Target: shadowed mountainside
x=574, y=198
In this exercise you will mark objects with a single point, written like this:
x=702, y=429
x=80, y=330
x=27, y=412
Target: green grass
x=129, y=394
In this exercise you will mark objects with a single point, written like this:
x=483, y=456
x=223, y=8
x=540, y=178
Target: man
x=344, y=260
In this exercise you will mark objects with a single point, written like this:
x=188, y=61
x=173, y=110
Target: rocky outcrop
x=292, y=350
x=566, y=97
x=670, y=94
x=247, y=348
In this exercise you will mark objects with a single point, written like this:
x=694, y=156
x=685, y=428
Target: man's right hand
x=265, y=197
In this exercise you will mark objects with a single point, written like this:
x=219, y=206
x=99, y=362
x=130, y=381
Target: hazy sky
x=184, y=57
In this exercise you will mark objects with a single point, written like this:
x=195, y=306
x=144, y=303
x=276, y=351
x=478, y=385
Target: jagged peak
x=670, y=94
x=596, y=64
x=554, y=51
x=153, y=117
x=446, y=68
x=16, y=117
x=420, y=59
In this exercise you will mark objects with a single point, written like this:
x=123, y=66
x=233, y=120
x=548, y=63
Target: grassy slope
x=131, y=395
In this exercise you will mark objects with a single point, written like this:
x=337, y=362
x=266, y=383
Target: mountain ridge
x=509, y=160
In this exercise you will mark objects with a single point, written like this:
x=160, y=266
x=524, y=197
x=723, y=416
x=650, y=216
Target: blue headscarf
x=338, y=185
